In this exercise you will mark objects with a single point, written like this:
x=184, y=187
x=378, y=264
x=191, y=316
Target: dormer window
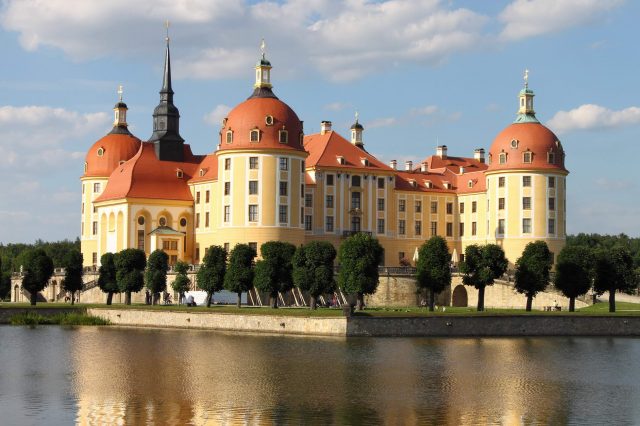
x=201, y=172
x=447, y=185
x=341, y=160
x=254, y=136
x=229, y=136
x=470, y=184
x=428, y=184
x=551, y=158
x=514, y=143
x=301, y=138
x=86, y=166
x=179, y=173
x=489, y=160
x=100, y=152
x=121, y=162
x=283, y=136
x=503, y=158
x=365, y=162
x=413, y=183
x=268, y=120
x=527, y=157
x=224, y=122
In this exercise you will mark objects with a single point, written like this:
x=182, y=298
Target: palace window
x=284, y=189
x=461, y=208
x=308, y=222
x=462, y=229
x=206, y=198
x=94, y=228
x=474, y=228
x=449, y=208
x=268, y=120
x=284, y=163
x=380, y=226
x=474, y=206
x=162, y=221
x=526, y=203
x=401, y=205
x=449, y=229
x=551, y=158
x=552, y=203
x=418, y=206
x=552, y=182
x=329, y=180
x=355, y=224
x=526, y=226
x=355, y=200
x=401, y=227
x=308, y=200
x=380, y=204
x=500, y=226
x=179, y=173
x=96, y=187
x=197, y=220
x=227, y=213
x=501, y=203
x=206, y=220
x=552, y=226
x=100, y=152
x=253, y=212
x=253, y=163
x=381, y=183
x=514, y=143
x=501, y=180
x=198, y=197
x=526, y=181
x=329, y=201
x=227, y=163
x=227, y=188
x=503, y=158
x=418, y=227
x=434, y=229
x=253, y=187
x=434, y=207
x=183, y=222
x=254, y=136
x=329, y=224
x=355, y=181
x=140, y=239
x=283, y=213
x=140, y=220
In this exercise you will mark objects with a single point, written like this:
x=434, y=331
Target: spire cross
x=263, y=47
x=120, y=92
x=166, y=25
x=526, y=78
x=357, y=115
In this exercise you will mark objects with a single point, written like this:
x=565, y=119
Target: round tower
x=104, y=156
x=526, y=184
x=261, y=169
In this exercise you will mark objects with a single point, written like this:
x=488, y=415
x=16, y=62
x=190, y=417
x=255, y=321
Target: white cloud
x=427, y=110
x=382, y=122
x=593, y=117
x=337, y=106
x=217, y=114
x=527, y=18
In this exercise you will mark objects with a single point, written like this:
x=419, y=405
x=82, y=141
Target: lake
x=112, y=375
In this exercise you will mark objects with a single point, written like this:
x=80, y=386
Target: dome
x=106, y=154
x=526, y=146
x=262, y=122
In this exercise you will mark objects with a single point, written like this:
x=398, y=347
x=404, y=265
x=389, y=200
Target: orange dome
x=107, y=153
x=526, y=146
x=277, y=125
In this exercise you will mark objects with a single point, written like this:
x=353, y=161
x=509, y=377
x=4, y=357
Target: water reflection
x=138, y=376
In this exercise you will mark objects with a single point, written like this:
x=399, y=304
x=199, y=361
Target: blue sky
x=419, y=72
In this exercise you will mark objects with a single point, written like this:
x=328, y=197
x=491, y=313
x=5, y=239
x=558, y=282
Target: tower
x=356, y=133
x=169, y=145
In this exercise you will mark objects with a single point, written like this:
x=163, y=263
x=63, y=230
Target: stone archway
x=459, y=297
x=16, y=293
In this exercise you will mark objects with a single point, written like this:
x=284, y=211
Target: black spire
x=166, y=120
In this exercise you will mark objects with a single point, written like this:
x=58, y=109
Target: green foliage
x=38, y=268
x=182, y=283
x=66, y=318
x=5, y=282
x=433, y=269
x=12, y=255
x=107, y=274
x=155, y=276
x=240, y=272
x=274, y=272
x=532, y=269
x=210, y=276
x=130, y=264
x=313, y=268
x=483, y=265
x=73, y=271
x=614, y=270
x=574, y=270
x=597, y=241
x=359, y=257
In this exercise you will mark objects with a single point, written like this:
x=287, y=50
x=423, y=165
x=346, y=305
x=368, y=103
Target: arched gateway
x=459, y=297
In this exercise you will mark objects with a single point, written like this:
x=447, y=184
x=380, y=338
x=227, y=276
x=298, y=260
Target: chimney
x=424, y=166
x=393, y=164
x=325, y=126
x=441, y=151
x=408, y=165
x=461, y=170
x=478, y=155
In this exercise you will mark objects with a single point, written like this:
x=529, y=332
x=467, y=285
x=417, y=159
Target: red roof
x=207, y=170
x=325, y=150
x=144, y=176
x=518, y=138
x=116, y=147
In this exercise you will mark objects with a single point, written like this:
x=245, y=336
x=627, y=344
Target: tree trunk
x=109, y=297
x=209, y=294
x=481, y=299
x=572, y=304
x=359, y=301
x=239, y=305
x=33, y=296
x=73, y=297
x=154, y=298
x=127, y=298
x=273, y=301
x=432, y=300
x=612, y=299
x=313, y=303
x=529, y=302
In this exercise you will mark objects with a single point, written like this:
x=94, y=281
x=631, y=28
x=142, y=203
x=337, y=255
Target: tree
x=107, y=276
x=240, y=272
x=532, y=270
x=210, y=276
x=130, y=264
x=5, y=282
x=574, y=272
x=72, y=281
x=182, y=283
x=482, y=266
x=155, y=276
x=38, y=268
x=313, y=269
x=433, y=269
x=274, y=272
x=359, y=257
x=614, y=272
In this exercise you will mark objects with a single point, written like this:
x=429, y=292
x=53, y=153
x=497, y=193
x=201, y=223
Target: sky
x=420, y=73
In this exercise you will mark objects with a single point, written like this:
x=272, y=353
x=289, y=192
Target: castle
x=267, y=180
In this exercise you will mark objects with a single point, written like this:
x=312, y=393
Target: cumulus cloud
x=217, y=114
x=593, y=117
x=337, y=106
x=382, y=122
x=527, y=18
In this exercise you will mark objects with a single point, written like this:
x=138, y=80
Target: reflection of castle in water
x=192, y=377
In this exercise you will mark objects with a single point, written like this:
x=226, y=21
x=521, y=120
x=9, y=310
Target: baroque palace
x=267, y=180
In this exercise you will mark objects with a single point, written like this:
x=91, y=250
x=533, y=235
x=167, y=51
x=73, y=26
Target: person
x=190, y=301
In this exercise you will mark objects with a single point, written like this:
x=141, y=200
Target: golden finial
x=120, y=92
x=263, y=47
x=526, y=78
x=166, y=25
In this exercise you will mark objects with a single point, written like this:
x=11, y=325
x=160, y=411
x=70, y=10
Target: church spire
x=526, y=114
x=356, y=133
x=262, y=86
x=169, y=145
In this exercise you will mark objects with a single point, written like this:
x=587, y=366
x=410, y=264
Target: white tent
x=415, y=255
x=454, y=256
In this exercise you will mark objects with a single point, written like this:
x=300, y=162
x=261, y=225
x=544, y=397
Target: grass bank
x=33, y=318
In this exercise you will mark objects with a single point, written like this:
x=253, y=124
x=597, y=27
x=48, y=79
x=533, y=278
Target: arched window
x=527, y=157
x=503, y=158
x=179, y=173
x=254, y=136
x=162, y=221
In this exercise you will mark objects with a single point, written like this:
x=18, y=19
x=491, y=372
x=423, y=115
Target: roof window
x=179, y=173
x=283, y=136
x=100, y=152
x=254, y=136
x=514, y=143
x=229, y=136
x=268, y=120
x=527, y=157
